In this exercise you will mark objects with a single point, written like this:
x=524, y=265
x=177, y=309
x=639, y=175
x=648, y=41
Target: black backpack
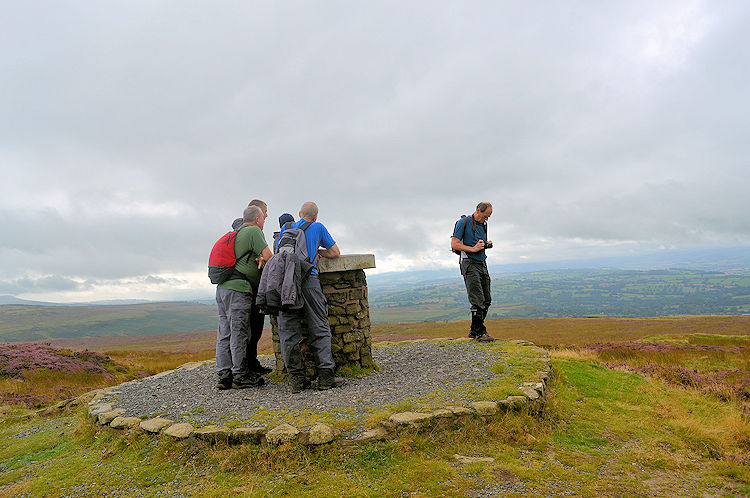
x=473, y=230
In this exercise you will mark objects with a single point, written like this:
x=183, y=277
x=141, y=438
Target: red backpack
x=221, y=261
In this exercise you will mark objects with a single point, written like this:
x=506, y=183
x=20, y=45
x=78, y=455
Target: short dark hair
x=483, y=206
x=257, y=202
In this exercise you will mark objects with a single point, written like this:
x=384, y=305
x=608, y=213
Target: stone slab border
x=531, y=396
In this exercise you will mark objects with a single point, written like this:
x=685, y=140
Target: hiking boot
x=225, y=382
x=252, y=380
x=299, y=384
x=484, y=338
x=261, y=370
x=327, y=380
x=477, y=324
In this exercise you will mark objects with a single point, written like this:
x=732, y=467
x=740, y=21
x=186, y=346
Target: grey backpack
x=294, y=240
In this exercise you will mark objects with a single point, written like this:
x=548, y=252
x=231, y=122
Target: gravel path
x=415, y=372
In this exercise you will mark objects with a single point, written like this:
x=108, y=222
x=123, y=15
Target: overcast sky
x=133, y=133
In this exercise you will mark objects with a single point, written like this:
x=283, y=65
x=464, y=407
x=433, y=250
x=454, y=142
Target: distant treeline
x=574, y=293
x=33, y=323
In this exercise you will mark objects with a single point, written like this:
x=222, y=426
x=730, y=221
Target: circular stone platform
x=415, y=376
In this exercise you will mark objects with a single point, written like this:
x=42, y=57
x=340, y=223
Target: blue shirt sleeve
x=325, y=238
x=276, y=245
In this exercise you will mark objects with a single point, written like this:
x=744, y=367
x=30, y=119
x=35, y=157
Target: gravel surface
x=414, y=371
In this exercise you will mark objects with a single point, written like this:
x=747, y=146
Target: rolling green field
x=33, y=323
x=572, y=293
x=600, y=293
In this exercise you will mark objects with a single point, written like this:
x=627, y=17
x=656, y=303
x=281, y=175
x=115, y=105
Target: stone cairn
x=345, y=288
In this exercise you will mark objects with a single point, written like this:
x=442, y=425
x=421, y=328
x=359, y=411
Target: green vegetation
x=41, y=386
x=602, y=432
x=573, y=293
x=610, y=427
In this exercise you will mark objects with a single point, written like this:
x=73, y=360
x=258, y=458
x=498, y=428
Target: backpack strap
x=247, y=253
x=466, y=224
x=474, y=226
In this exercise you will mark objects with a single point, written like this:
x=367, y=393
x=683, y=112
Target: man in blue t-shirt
x=315, y=310
x=470, y=239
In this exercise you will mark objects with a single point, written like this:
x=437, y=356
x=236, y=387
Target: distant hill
x=6, y=299
x=568, y=293
x=22, y=322
x=438, y=295
x=729, y=260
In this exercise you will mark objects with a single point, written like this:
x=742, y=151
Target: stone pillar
x=345, y=288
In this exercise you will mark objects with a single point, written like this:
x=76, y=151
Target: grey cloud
x=616, y=122
x=54, y=283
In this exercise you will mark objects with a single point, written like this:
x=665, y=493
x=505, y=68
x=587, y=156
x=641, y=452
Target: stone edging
x=531, y=395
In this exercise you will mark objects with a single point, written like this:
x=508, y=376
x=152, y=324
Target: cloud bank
x=134, y=134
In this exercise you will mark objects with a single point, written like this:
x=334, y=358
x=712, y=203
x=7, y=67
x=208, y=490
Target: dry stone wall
x=345, y=287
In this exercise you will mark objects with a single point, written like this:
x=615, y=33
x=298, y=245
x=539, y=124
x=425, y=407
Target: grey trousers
x=232, y=333
x=315, y=311
x=477, y=281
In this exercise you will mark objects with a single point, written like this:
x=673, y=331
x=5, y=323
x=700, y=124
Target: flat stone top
x=346, y=262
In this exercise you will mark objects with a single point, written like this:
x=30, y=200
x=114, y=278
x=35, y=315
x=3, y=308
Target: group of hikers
x=246, y=292
x=238, y=298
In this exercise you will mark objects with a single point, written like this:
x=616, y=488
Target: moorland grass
x=40, y=387
x=555, y=332
x=602, y=431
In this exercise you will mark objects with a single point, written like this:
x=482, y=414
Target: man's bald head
x=309, y=211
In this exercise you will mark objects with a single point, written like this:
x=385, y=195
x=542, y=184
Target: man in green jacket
x=234, y=299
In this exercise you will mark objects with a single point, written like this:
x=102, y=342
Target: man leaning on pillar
x=314, y=310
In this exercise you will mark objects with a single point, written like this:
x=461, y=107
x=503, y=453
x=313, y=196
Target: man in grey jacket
x=315, y=310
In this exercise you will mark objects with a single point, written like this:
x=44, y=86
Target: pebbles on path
x=411, y=371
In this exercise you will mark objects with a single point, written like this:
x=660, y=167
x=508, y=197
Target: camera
x=488, y=245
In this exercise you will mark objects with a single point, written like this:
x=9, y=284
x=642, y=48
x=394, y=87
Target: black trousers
x=477, y=281
x=257, y=320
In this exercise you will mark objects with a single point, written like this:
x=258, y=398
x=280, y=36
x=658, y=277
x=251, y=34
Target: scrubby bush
x=18, y=359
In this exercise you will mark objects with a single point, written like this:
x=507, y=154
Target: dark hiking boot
x=484, y=337
x=225, y=381
x=327, y=380
x=477, y=325
x=299, y=384
x=260, y=369
x=252, y=380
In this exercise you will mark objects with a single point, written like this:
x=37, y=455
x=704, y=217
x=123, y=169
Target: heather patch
x=18, y=359
x=658, y=347
x=720, y=370
x=725, y=384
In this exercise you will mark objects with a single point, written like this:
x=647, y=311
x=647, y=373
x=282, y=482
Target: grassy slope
x=564, y=331
x=603, y=432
